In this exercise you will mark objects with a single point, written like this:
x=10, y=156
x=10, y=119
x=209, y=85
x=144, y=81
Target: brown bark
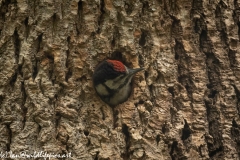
x=184, y=106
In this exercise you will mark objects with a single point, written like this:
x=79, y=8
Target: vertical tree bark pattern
x=185, y=105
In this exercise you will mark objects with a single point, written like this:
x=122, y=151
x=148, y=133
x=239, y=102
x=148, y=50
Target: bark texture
x=185, y=105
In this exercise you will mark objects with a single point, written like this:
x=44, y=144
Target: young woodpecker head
x=112, y=81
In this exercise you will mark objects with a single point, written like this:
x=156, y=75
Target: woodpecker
x=112, y=81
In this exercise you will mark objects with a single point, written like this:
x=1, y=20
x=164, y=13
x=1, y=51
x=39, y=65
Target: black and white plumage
x=112, y=81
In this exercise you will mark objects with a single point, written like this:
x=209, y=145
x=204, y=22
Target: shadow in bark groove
x=212, y=93
x=184, y=73
x=17, y=45
x=215, y=148
x=35, y=70
x=1, y=99
x=128, y=7
x=173, y=147
x=69, y=70
x=88, y=143
x=216, y=152
x=186, y=131
x=125, y=131
x=103, y=114
x=101, y=16
x=214, y=130
x=237, y=92
x=235, y=133
x=27, y=28
x=10, y=137
x=165, y=128
x=115, y=37
x=115, y=117
x=142, y=40
x=13, y=79
x=117, y=55
x=55, y=20
x=51, y=67
x=96, y=156
x=86, y=133
x=212, y=62
x=79, y=17
x=238, y=30
x=35, y=60
x=176, y=29
x=145, y=7
x=24, y=109
x=171, y=90
x=4, y=9
x=68, y=61
x=158, y=139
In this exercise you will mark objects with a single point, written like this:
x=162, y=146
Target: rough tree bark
x=185, y=105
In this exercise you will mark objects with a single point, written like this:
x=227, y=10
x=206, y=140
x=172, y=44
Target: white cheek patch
x=110, y=84
x=102, y=90
x=115, y=83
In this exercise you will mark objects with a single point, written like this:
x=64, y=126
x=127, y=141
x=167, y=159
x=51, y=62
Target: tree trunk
x=185, y=105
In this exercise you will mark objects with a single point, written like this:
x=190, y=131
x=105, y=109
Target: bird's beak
x=134, y=71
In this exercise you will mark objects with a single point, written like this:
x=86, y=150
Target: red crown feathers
x=117, y=65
